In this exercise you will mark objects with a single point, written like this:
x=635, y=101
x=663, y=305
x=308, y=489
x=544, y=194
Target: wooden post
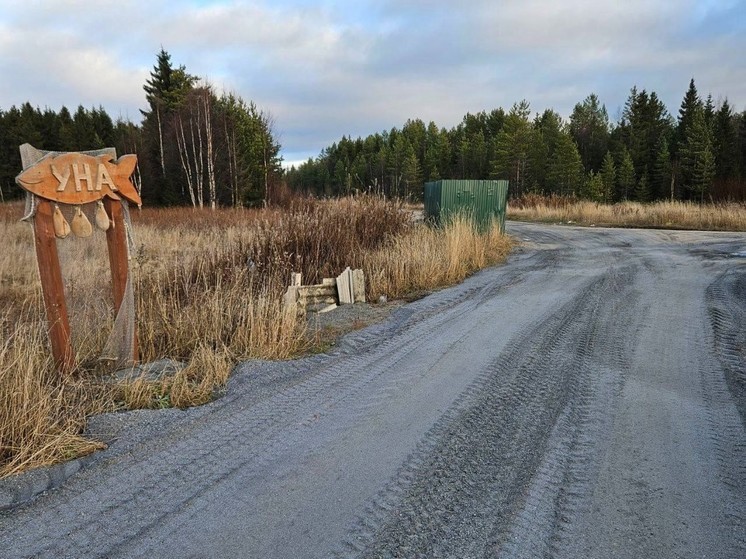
x=52, y=287
x=116, y=241
x=47, y=175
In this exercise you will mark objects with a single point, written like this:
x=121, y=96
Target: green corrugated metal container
x=483, y=199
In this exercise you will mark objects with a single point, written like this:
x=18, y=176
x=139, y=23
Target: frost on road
x=587, y=399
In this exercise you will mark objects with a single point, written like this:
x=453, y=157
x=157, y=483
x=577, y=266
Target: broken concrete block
x=358, y=286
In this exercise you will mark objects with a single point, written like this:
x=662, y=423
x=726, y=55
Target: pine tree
x=589, y=128
x=433, y=163
x=593, y=187
x=412, y=177
x=512, y=146
x=565, y=171
x=546, y=129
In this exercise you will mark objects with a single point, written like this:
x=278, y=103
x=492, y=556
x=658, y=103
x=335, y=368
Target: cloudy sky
x=329, y=68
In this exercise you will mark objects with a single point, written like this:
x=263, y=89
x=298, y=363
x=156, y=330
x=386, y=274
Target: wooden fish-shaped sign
x=76, y=178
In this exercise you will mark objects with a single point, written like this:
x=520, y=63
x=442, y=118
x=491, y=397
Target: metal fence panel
x=483, y=200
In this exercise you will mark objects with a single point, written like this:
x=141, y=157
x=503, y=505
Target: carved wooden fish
x=75, y=178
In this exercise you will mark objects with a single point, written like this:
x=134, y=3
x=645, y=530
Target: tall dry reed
x=209, y=288
x=428, y=258
x=41, y=418
x=664, y=214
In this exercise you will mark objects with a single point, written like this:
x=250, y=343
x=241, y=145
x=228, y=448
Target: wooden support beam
x=116, y=240
x=52, y=288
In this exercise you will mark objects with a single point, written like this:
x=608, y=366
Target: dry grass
x=40, y=418
x=427, y=258
x=209, y=291
x=673, y=215
x=191, y=386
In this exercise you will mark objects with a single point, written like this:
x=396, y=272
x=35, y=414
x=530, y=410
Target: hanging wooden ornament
x=102, y=218
x=61, y=227
x=80, y=224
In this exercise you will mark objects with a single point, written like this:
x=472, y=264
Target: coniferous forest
x=198, y=148
x=193, y=146
x=698, y=154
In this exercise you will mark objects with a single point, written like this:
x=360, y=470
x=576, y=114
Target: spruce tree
x=608, y=177
x=741, y=146
x=698, y=161
x=625, y=176
x=642, y=190
x=724, y=142
x=689, y=105
x=709, y=110
x=164, y=92
x=662, y=173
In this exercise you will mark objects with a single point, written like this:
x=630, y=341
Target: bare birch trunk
x=266, y=169
x=160, y=140
x=184, y=157
x=231, y=172
x=212, y=187
x=197, y=157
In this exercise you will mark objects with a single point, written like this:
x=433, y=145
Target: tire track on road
x=460, y=492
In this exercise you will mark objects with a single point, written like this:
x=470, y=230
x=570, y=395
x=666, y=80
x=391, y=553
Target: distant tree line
x=194, y=147
x=647, y=155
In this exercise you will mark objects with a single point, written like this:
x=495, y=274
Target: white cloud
x=331, y=68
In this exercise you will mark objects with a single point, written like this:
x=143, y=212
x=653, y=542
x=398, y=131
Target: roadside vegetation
x=208, y=287
x=726, y=216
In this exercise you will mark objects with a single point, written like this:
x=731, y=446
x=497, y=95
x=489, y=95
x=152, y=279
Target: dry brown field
x=208, y=293
x=667, y=215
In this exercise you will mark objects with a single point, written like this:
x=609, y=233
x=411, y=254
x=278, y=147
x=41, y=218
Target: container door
x=465, y=197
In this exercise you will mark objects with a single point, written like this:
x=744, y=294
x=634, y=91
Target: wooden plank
x=52, y=288
x=80, y=178
x=116, y=240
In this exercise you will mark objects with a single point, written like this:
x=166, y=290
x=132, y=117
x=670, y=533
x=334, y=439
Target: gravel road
x=587, y=399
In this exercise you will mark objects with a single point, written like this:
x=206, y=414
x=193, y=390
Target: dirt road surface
x=584, y=400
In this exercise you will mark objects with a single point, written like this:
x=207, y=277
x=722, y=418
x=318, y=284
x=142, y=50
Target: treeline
x=194, y=147
x=647, y=155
